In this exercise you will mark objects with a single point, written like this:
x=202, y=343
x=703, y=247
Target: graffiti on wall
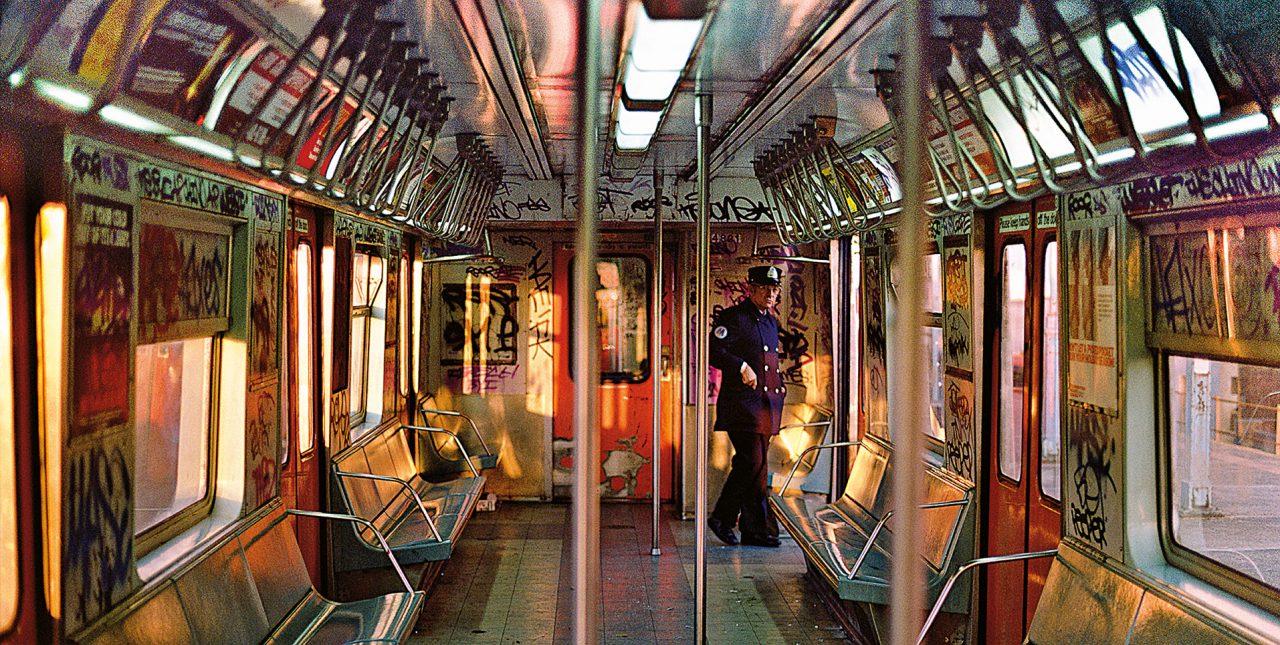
x=101, y=295
x=262, y=443
x=1094, y=502
x=264, y=308
x=1184, y=292
x=183, y=277
x=98, y=553
x=874, y=346
x=960, y=449
x=732, y=200
x=957, y=317
x=481, y=325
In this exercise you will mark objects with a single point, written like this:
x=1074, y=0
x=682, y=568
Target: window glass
x=623, y=318
x=1050, y=423
x=933, y=283
x=367, y=318
x=8, y=485
x=402, y=349
x=1223, y=421
x=171, y=408
x=1012, y=337
x=359, y=369
x=417, y=326
x=305, y=368
x=931, y=338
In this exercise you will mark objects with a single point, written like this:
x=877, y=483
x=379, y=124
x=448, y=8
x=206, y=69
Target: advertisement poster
x=102, y=287
x=184, y=55
x=1092, y=325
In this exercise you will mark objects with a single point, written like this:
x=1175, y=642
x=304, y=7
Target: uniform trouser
x=746, y=491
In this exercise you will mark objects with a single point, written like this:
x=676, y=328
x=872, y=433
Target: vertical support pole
x=655, y=354
x=908, y=378
x=702, y=120
x=586, y=451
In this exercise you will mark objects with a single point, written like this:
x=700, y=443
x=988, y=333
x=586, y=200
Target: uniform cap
x=765, y=275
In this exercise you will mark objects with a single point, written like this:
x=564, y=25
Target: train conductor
x=744, y=347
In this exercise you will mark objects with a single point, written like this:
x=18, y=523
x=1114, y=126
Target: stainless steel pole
x=586, y=451
x=702, y=119
x=655, y=353
x=906, y=380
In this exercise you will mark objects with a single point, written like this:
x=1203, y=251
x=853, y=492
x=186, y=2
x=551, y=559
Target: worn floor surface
x=509, y=582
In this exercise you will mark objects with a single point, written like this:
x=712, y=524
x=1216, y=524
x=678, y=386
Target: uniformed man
x=744, y=346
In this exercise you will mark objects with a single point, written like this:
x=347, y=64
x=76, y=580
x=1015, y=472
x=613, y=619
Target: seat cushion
x=384, y=619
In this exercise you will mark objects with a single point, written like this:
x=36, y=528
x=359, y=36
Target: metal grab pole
x=586, y=451
x=655, y=353
x=907, y=377
x=702, y=118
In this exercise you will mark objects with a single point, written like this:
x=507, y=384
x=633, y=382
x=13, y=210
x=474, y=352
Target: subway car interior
x=298, y=342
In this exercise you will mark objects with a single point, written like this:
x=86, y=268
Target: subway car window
x=1225, y=461
x=623, y=305
x=403, y=320
x=174, y=436
x=1050, y=394
x=1012, y=342
x=931, y=340
x=305, y=367
x=368, y=312
x=8, y=456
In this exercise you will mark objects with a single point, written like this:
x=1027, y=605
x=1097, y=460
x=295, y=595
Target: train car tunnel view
x=640, y=321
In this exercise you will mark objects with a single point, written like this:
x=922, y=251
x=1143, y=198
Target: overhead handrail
x=1039, y=57
x=378, y=534
x=951, y=582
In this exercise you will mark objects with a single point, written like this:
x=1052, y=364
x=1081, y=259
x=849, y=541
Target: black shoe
x=761, y=540
x=723, y=532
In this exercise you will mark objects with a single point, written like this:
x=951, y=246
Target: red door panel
x=301, y=477
x=1023, y=513
x=625, y=393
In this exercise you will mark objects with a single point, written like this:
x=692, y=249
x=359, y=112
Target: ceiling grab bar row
x=376, y=111
x=814, y=190
x=457, y=206
x=1064, y=102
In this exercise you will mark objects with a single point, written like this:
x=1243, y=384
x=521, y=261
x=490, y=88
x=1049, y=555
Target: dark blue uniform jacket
x=744, y=334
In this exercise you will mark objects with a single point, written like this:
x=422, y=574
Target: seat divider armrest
x=450, y=413
x=384, y=478
x=456, y=440
x=995, y=559
x=352, y=518
x=800, y=459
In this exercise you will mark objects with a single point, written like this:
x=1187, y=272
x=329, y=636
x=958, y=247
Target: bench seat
x=1087, y=601
x=834, y=536
x=252, y=586
x=377, y=479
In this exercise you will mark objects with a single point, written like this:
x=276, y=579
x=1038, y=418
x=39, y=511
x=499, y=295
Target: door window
x=1012, y=340
x=8, y=486
x=304, y=367
x=1050, y=423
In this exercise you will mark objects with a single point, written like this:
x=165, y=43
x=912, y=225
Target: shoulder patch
x=721, y=332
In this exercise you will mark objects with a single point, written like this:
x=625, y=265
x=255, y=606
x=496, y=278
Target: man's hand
x=748, y=376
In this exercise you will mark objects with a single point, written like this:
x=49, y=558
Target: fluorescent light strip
x=204, y=147
x=64, y=96
x=663, y=45
x=131, y=120
x=638, y=121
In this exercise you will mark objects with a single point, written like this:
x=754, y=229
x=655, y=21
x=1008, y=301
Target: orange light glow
x=8, y=499
x=52, y=315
